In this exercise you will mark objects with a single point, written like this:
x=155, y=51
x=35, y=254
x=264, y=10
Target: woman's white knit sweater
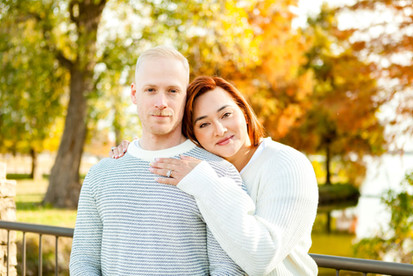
x=269, y=231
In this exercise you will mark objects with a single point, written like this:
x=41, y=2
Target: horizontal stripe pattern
x=128, y=224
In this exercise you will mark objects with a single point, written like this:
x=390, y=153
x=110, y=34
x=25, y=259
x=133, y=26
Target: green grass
x=29, y=195
x=336, y=243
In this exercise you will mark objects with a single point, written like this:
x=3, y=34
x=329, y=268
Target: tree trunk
x=34, y=172
x=328, y=161
x=328, y=182
x=64, y=186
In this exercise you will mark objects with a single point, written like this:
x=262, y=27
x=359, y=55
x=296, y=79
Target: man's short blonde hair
x=162, y=51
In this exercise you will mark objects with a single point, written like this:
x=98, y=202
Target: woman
x=269, y=231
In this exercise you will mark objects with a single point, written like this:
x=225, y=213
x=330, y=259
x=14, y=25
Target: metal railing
x=325, y=261
x=37, y=229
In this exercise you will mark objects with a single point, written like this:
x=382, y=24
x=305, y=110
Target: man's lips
x=225, y=141
x=161, y=115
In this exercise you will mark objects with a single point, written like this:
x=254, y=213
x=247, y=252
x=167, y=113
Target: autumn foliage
x=318, y=88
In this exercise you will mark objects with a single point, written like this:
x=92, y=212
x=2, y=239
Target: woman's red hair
x=204, y=84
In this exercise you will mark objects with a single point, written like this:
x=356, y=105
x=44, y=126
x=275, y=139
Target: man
x=129, y=224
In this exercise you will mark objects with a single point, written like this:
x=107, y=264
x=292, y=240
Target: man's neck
x=160, y=142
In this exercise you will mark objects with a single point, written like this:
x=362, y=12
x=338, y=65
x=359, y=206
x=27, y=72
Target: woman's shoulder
x=283, y=162
x=275, y=149
x=282, y=156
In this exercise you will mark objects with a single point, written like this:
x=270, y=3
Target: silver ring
x=168, y=174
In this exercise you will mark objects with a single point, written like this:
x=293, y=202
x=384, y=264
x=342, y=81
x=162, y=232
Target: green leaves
x=396, y=240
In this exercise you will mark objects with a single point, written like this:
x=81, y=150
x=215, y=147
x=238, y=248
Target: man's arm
x=85, y=255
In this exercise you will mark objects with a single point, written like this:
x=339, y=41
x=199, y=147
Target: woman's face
x=219, y=124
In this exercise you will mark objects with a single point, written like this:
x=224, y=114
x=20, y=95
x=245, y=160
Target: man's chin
x=162, y=131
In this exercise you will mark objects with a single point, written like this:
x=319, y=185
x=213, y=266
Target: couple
x=130, y=223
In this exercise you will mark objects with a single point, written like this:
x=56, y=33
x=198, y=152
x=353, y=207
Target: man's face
x=160, y=95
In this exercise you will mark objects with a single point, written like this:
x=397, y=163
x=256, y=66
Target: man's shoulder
x=104, y=167
x=211, y=158
x=103, y=164
x=221, y=166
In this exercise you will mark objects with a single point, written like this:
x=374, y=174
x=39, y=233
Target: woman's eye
x=203, y=125
x=226, y=114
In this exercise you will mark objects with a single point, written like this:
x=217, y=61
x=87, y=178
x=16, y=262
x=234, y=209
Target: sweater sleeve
x=258, y=237
x=85, y=255
x=219, y=262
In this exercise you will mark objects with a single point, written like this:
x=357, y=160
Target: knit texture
x=269, y=231
x=128, y=224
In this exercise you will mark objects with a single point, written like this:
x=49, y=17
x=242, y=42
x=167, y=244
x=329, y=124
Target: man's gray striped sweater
x=128, y=224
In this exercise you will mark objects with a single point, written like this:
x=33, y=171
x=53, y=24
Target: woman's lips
x=224, y=141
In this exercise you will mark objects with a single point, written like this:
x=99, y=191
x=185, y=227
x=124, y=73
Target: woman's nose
x=220, y=129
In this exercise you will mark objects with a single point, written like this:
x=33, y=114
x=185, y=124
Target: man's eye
x=150, y=89
x=173, y=90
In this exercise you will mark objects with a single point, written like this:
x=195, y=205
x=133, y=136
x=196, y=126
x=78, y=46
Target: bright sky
x=312, y=8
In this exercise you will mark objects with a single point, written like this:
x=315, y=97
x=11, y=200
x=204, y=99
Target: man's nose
x=161, y=102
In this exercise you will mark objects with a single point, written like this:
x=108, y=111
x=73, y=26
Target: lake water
x=383, y=173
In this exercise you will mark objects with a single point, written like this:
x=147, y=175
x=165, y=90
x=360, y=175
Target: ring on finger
x=169, y=173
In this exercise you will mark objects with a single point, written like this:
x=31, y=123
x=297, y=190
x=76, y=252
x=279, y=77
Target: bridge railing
x=326, y=261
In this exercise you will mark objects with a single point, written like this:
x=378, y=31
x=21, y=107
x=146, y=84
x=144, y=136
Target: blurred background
x=333, y=80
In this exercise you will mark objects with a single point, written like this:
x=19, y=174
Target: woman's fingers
x=175, y=169
x=163, y=172
x=120, y=150
x=124, y=144
x=169, y=181
x=189, y=158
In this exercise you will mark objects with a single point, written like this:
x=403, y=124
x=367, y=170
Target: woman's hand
x=119, y=151
x=174, y=169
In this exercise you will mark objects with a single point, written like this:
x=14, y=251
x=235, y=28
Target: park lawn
x=29, y=195
x=339, y=244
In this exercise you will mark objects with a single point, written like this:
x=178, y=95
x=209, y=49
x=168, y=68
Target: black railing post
x=24, y=254
x=40, y=256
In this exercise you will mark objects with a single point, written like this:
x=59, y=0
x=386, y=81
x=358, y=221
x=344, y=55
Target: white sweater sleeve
x=258, y=237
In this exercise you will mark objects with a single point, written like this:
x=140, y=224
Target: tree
x=342, y=121
x=387, y=41
x=31, y=88
x=278, y=86
x=84, y=17
x=68, y=31
x=396, y=242
x=203, y=31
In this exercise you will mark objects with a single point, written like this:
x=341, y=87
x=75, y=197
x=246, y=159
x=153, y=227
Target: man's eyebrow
x=203, y=117
x=174, y=87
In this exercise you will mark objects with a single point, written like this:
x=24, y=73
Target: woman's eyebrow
x=203, y=117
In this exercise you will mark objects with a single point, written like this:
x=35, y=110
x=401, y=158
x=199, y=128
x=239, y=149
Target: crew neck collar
x=135, y=150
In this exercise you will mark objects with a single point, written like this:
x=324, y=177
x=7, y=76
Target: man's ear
x=133, y=93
